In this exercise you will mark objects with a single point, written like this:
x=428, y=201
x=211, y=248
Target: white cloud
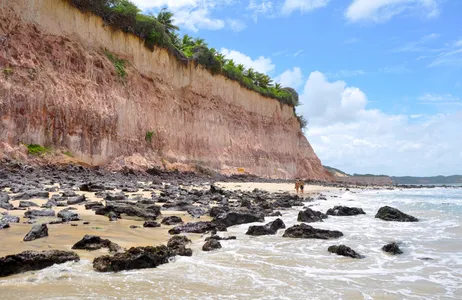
x=348, y=136
x=290, y=78
x=260, y=7
x=290, y=6
x=261, y=64
x=326, y=102
x=384, y=10
x=193, y=14
x=346, y=73
x=236, y=25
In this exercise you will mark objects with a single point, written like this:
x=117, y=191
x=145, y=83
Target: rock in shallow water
x=345, y=211
x=239, y=217
x=211, y=244
x=197, y=227
x=388, y=213
x=344, y=251
x=171, y=220
x=310, y=216
x=91, y=243
x=133, y=258
x=37, y=231
x=34, y=260
x=305, y=231
x=392, y=248
x=270, y=228
x=178, y=245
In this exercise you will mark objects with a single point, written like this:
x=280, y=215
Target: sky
x=380, y=81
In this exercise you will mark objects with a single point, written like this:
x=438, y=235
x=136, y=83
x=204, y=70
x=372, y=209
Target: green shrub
x=119, y=63
x=303, y=122
x=148, y=136
x=35, y=149
x=203, y=56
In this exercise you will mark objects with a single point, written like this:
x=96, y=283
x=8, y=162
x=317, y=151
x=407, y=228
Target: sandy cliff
x=57, y=88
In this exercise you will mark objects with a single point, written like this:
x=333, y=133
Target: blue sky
x=380, y=80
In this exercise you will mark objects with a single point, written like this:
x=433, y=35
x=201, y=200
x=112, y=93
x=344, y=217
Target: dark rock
x=275, y=214
x=305, y=231
x=150, y=212
x=345, y=211
x=196, y=212
x=69, y=193
x=270, y=228
x=76, y=200
x=50, y=203
x=344, y=251
x=151, y=224
x=219, y=238
x=39, y=213
x=37, y=231
x=9, y=219
x=178, y=245
x=4, y=225
x=94, y=204
x=392, y=248
x=216, y=190
x=112, y=216
x=91, y=243
x=115, y=196
x=388, y=213
x=5, y=201
x=239, y=217
x=134, y=258
x=171, y=220
x=27, y=204
x=211, y=244
x=91, y=187
x=86, y=223
x=34, y=260
x=74, y=225
x=134, y=226
x=309, y=216
x=32, y=194
x=218, y=210
x=197, y=227
x=68, y=215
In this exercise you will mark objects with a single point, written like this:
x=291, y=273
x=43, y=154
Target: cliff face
x=59, y=89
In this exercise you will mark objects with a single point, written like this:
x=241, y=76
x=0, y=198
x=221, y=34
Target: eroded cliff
x=58, y=88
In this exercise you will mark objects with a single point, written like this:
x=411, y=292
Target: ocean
x=273, y=267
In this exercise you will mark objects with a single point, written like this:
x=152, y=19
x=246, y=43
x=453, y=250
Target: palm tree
x=241, y=68
x=250, y=73
x=166, y=19
x=221, y=57
x=277, y=87
x=262, y=80
x=186, y=41
x=231, y=63
x=199, y=42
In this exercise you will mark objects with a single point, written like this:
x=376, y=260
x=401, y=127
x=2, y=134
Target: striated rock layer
x=61, y=90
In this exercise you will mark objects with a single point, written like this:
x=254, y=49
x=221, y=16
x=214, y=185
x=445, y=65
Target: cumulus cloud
x=260, y=7
x=290, y=6
x=291, y=78
x=194, y=14
x=384, y=10
x=260, y=64
x=347, y=135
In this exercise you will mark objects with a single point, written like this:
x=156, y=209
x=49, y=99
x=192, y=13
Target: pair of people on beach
x=299, y=185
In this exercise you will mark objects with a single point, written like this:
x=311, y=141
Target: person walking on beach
x=299, y=185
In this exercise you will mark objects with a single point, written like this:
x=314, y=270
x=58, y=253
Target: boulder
x=92, y=187
x=178, y=245
x=27, y=204
x=76, y=200
x=9, y=219
x=34, y=260
x=35, y=213
x=388, y=213
x=149, y=212
x=309, y=216
x=5, y=201
x=4, y=225
x=133, y=258
x=270, y=228
x=196, y=212
x=392, y=248
x=211, y=244
x=67, y=215
x=305, y=231
x=32, y=194
x=151, y=224
x=68, y=193
x=37, y=231
x=94, y=204
x=217, y=210
x=344, y=251
x=91, y=243
x=197, y=227
x=345, y=211
x=115, y=196
x=239, y=217
x=171, y=220
x=219, y=238
x=112, y=216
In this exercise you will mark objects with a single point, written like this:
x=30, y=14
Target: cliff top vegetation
x=160, y=31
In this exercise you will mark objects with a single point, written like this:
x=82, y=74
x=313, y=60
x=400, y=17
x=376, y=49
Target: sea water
x=273, y=267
